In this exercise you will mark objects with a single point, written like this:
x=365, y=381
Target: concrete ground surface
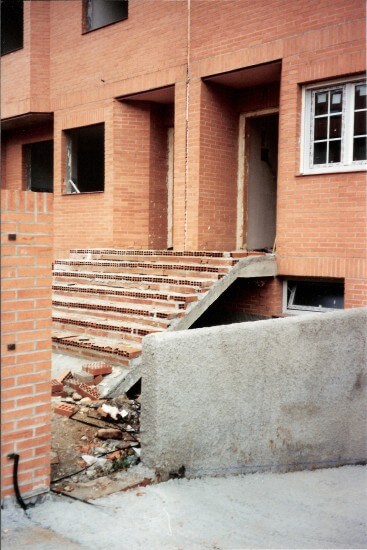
x=310, y=509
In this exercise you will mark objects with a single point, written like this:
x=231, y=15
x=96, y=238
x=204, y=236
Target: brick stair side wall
x=26, y=324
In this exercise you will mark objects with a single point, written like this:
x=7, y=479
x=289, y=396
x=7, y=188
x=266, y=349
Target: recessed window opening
x=314, y=295
x=99, y=13
x=85, y=159
x=39, y=166
x=335, y=128
x=11, y=25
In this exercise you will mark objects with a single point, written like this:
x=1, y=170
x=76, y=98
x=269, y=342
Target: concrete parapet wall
x=280, y=394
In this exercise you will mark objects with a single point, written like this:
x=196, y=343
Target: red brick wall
x=218, y=169
x=259, y=296
x=26, y=323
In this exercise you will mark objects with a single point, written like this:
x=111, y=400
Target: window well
x=99, y=13
x=39, y=166
x=11, y=25
x=85, y=159
x=314, y=295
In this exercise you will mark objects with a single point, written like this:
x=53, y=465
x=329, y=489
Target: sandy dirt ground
x=317, y=509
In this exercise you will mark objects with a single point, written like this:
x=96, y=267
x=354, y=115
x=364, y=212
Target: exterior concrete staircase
x=106, y=300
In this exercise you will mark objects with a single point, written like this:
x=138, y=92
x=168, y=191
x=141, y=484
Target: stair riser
x=118, y=309
x=154, y=323
x=160, y=259
x=97, y=331
x=138, y=302
x=154, y=253
x=129, y=285
x=92, y=354
x=174, y=272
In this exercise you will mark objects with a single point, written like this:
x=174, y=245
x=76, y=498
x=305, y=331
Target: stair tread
x=121, y=305
x=102, y=342
x=149, y=252
x=149, y=294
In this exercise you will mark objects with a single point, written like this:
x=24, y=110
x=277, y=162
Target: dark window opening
x=39, y=166
x=85, y=159
x=315, y=296
x=11, y=25
x=100, y=13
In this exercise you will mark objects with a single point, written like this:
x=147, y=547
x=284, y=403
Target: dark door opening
x=261, y=160
x=39, y=166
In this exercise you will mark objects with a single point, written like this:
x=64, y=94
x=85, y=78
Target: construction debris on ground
x=110, y=428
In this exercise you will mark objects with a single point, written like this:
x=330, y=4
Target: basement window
x=85, y=159
x=100, y=13
x=11, y=26
x=306, y=295
x=39, y=166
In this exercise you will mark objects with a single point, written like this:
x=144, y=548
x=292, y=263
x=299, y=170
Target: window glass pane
x=321, y=103
x=334, y=151
x=360, y=123
x=335, y=129
x=320, y=128
x=319, y=153
x=316, y=295
x=336, y=100
x=360, y=96
x=360, y=148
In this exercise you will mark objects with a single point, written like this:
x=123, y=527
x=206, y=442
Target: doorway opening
x=38, y=158
x=260, y=180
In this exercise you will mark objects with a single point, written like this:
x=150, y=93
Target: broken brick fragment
x=56, y=387
x=97, y=379
x=63, y=377
x=88, y=391
x=98, y=368
x=65, y=409
x=74, y=384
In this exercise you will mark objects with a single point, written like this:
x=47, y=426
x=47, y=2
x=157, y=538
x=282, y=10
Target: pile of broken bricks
x=116, y=443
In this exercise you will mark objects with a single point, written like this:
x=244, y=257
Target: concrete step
x=95, y=346
x=166, y=254
x=113, y=316
x=87, y=304
x=99, y=326
x=140, y=282
x=144, y=268
x=131, y=296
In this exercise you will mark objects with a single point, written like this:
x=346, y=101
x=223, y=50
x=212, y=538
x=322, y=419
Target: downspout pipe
x=15, y=457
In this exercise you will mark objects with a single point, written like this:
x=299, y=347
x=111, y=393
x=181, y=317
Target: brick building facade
x=196, y=125
x=190, y=104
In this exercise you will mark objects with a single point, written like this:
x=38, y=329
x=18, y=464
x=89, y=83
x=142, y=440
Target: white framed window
x=305, y=295
x=334, y=127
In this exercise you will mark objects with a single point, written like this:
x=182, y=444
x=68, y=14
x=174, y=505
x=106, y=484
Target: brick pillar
x=26, y=339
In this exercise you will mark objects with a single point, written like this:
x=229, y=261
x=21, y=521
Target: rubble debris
x=76, y=396
x=54, y=458
x=85, y=401
x=98, y=368
x=66, y=409
x=109, y=433
x=113, y=412
x=83, y=376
